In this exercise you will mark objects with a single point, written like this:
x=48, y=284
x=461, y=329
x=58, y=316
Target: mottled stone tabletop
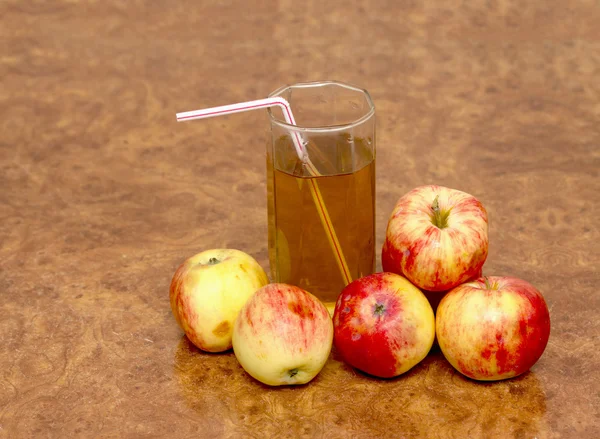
x=103, y=194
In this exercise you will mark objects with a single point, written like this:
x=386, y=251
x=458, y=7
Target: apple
x=383, y=325
x=493, y=328
x=283, y=335
x=436, y=237
x=207, y=292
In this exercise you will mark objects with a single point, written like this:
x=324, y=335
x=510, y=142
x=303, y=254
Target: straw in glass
x=300, y=151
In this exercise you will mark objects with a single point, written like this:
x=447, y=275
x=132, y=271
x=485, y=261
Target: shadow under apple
x=230, y=402
x=430, y=399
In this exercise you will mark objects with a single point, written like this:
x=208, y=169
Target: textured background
x=103, y=195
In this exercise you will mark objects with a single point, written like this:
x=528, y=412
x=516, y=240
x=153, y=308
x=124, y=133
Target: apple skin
x=495, y=330
x=283, y=335
x=435, y=297
x=206, y=297
x=434, y=258
x=383, y=325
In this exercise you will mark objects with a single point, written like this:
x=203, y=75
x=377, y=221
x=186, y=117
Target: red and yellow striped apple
x=207, y=292
x=383, y=325
x=493, y=328
x=436, y=237
x=283, y=335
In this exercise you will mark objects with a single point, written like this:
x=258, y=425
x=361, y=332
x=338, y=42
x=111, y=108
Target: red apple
x=283, y=335
x=383, y=325
x=493, y=328
x=437, y=237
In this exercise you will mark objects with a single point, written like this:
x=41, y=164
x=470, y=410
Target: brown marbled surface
x=103, y=195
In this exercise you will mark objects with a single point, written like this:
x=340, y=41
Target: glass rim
x=326, y=128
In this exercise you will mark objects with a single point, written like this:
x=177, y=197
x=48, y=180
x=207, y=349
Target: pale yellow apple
x=207, y=292
x=283, y=335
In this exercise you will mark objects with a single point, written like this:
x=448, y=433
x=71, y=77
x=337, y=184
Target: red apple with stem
x=436, y=237
x=383, y=325
x=493, y=328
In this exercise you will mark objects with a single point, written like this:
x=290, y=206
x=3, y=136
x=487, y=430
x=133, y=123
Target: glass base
x=330, y=307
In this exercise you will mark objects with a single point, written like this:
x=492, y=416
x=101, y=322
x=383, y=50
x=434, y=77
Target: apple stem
x=439, y=218
x=493, y=286
x=213, y=261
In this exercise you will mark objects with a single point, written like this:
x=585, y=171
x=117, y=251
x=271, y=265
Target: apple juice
x=300, y=251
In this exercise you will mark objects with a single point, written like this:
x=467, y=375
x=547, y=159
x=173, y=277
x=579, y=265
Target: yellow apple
x=283, y=335
x=207, y=292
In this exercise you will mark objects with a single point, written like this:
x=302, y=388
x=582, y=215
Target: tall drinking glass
x=321, y=209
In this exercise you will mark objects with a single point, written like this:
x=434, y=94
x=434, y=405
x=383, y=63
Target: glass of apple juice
x=321, y=207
